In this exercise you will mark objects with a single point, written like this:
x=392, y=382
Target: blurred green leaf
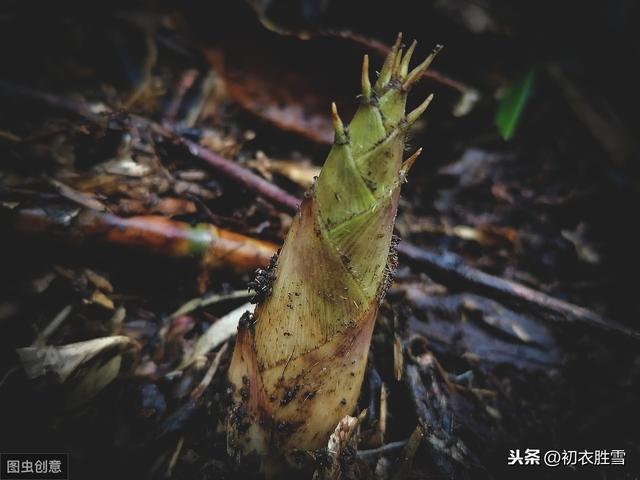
x=512, y=104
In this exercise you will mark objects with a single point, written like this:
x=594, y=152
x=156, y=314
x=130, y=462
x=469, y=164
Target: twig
x=219, y=332
x=213, y=247
x=53, y=325
x=410, y=449
x=79, y=108
x=177, y=420
x=236, y=172
x=450, y=269
x=206, y=380
x=384, y=449
x=174, y=457
x=247, y=178
x=187, y=79
x=200, y=302
x=80, y=198
x=13, y=369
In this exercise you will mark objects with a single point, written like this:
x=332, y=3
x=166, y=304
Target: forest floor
x=121, y=131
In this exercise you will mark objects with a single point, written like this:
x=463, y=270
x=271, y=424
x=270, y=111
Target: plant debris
x=154, y=157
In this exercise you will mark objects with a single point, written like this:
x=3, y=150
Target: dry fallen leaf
x=216, y=335
x=61, y=361
x=98, y=280
x=342, y=437
x=83, y=368
x=99, y=298
x=289, y=82
x=302, y=172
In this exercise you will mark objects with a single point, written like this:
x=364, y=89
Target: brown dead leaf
x=288, y=82
x=218, y=333
x=224, y=144
x=302, y=172
x=280, y=97
x=83, y=368
x=61, y=361
x=289, y=78
x=101, y=299
x=166, y=206
x=98, y=281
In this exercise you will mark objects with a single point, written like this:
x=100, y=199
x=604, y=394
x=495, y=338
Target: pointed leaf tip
x=404, y=65
x=419, y=110
x=397, y=43
x=366, y=83
x=397, y=62
x=341, y=134
x=417, y=72
x=387, y=69
x=408, y=163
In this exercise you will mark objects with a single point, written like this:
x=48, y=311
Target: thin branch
x=227, y=167
x=383, y=450
x=206, y=380
x=79, y=108
x=213, y=247
x=450, y=269
x=247, y=178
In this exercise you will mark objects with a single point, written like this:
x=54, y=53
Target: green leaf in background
x=512, y=104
